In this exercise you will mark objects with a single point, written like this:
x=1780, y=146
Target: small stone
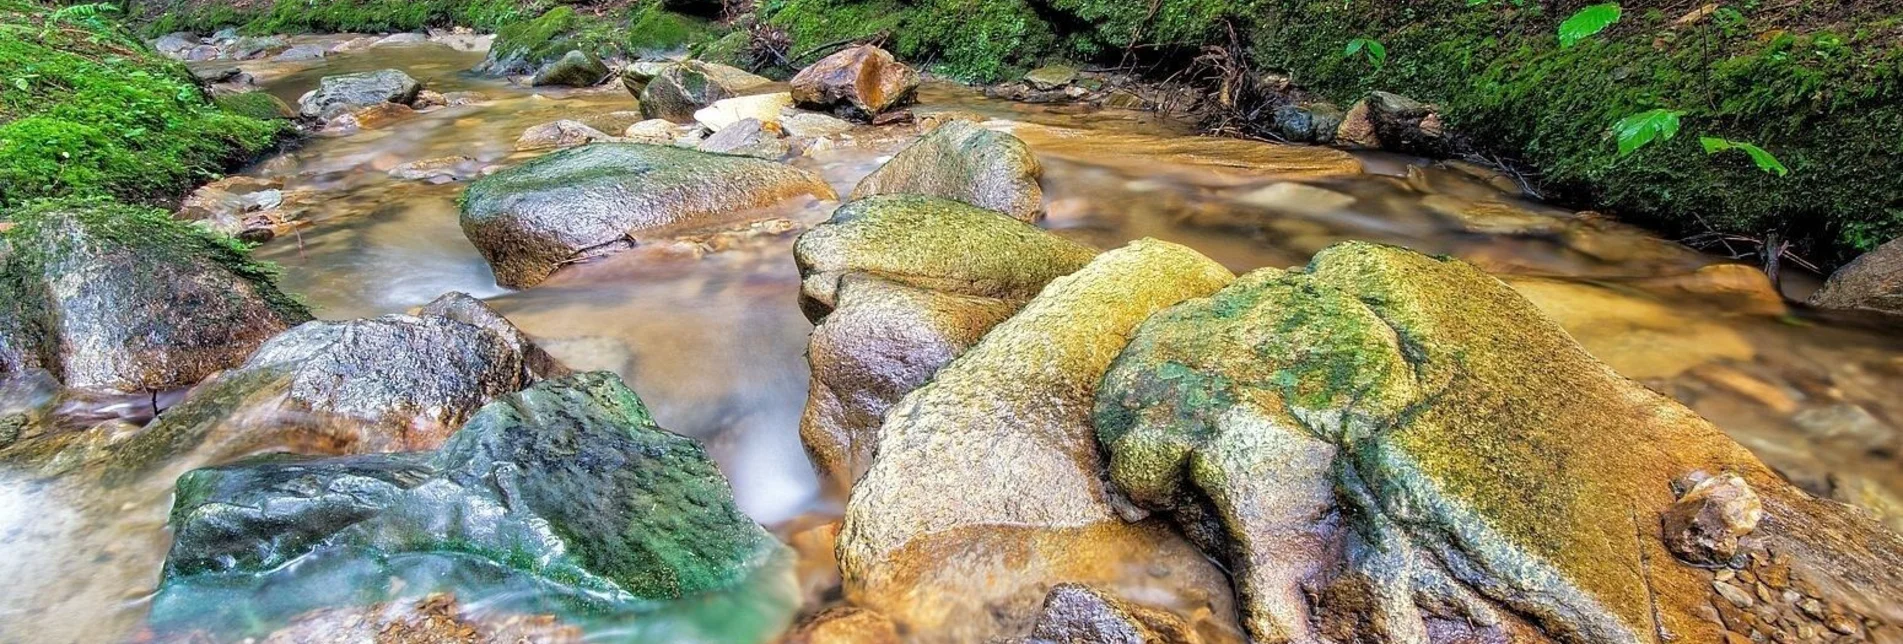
x=1703, y=527
x=1737, y=596
x=560, y=134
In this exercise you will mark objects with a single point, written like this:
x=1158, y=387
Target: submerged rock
x=567, y=488
x=574, y=69
x=560, y=134
x=862, y=81
x=337, y=95
x=115, y=298
x=963, y=161
x=986, y=489
x=932, y=244
x=583, y=202
x=685, y=87
x=1873, y=282
x=1308, y=123
x=1381, y=431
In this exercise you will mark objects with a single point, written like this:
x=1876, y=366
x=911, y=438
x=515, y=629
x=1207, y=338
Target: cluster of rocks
x=1038, y=440
x=345, y=103
x=228, y=44
x=1066, y=83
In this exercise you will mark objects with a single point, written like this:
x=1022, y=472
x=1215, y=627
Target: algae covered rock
x=934, y=244
x=862, y=81
x=986, y=490
x=1410, y=442
x=587, y=201
x=574, y=69
x=116, y=298
x=1872, y=282
x=685, y=87
x=567, y=488
x=963, y=161
x=345, y=93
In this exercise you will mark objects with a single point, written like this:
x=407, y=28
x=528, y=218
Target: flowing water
x=709, y=334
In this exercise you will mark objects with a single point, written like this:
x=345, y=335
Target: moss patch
x=87, y=110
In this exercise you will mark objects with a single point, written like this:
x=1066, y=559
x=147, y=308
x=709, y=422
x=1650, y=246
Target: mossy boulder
x=116, y=298
x=344, y=93
x=963, y=161
x=1409, y=440
x=986, y=488
x=684, y=88
x=933, y=244
x=1873, y=282
x=567, y=488
x=574, y=69
x=582, y=202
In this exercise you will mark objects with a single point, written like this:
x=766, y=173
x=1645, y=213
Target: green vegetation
x=641, y=29
x=304, y=16
x=86, y=110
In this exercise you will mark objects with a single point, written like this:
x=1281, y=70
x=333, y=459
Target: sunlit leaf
x=1763, y=158
x=1377, y=53
x=1588, y=22
x=1645, y=128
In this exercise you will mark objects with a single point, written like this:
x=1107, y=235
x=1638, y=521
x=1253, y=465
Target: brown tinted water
x=708, y=332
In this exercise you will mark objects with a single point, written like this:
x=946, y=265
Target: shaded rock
x=964, y=162
x=1873, y=282
x=249, y=47
x=862, y=81
x=583, y=202
x=1051, y=77
x=932, y=244
x=1392, y=122
x=1382, y=426
x=748, y=137
x=560, y=134
x=764, y=108
x=645, y=525
x=175, y=44
x=687, y=86
x=123, y=299
x=348, y=92
x=883, y=341
x=1308, y=123
x=302, y=53
x=986, y=488
x=1079, y=613
x=1704, y=526
x=429, y=98
x=574, y=69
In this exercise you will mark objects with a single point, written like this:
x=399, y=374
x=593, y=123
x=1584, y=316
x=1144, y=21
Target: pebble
x=1737, y=596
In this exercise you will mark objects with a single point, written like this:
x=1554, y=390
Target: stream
x=711, y=337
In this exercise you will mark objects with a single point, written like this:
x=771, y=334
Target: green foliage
x=306, y=16
x=1764, y=160
x=1587, y=23
x=976, y=40
x=1376, y=52
x=655, y=29
x=1639, y=130
x=87, y=110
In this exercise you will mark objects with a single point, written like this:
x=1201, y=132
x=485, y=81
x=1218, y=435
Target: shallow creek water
x=710, y=336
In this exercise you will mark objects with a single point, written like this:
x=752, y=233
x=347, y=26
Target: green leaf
x=1377, y=53
x=1642, y=129
x=1763, y=158
x=1589, y=21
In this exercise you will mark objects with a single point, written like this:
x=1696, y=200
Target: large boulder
x=862, y=82
x=890, y=312
x=595, y=199
x=574, y=69
x=112, y=298
x=1873, y=282
x=963, y=161
x=1393, y=447
x=933, y=244
x=686, y=87
x=338, y=95
x=567, y=488
x=986, y=487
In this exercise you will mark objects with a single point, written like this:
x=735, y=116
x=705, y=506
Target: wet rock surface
x=683, y=88
x=862, y=82
x=644, y=524
x=985, y=489
x=1422, y=473
x=344, y=93
x=962, y=161
x=573, y=69
x=1873, y=282
x=1079, y=613
x=118, y=299
x=570, y=205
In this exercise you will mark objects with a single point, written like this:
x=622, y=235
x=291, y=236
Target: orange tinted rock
x=865, y=79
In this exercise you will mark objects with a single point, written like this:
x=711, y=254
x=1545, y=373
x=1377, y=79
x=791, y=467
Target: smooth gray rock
x=338, y=94
x=1873, y=282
